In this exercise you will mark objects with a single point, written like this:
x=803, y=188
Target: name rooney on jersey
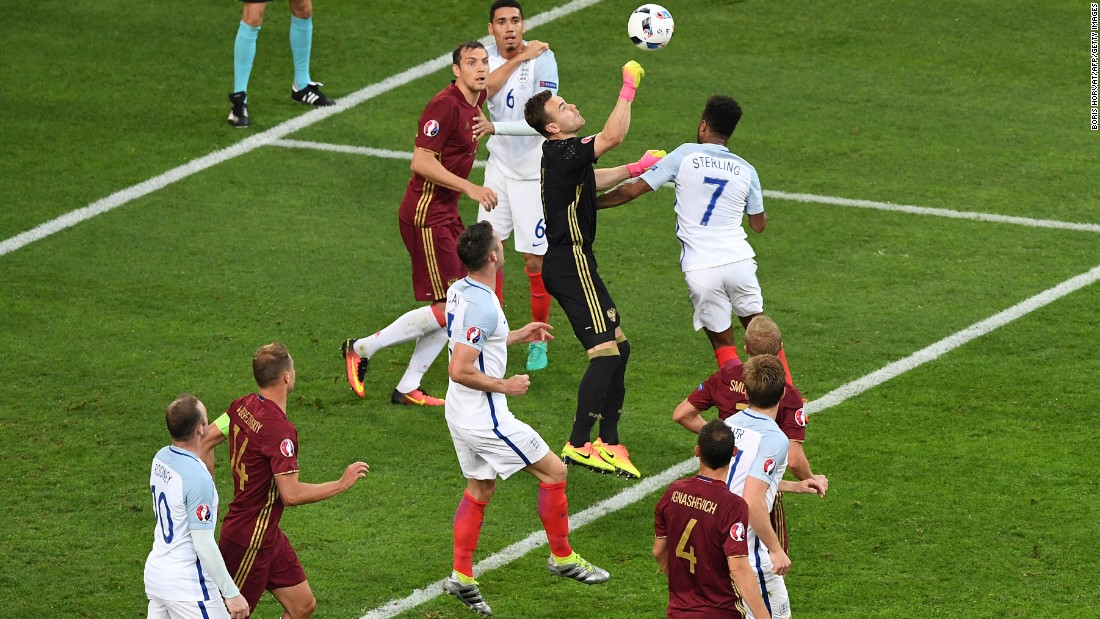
x=162, y=472
x=696, y=502
x=710, y=162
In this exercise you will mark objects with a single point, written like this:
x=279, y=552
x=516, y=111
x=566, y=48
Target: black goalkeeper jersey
x=569, y=191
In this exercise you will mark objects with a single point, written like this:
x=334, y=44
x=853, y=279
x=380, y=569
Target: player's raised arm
x=499, y=76
x=615, y=129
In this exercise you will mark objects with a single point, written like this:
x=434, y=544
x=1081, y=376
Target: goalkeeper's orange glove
x=648, y=160
x=632, y=76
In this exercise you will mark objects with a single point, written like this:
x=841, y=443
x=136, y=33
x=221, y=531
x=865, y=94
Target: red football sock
x=540, y=299
x=467, y=528
x=500, y=285
x=726, y=355
x=783, y=359
x=440, y=314
x=554, y=512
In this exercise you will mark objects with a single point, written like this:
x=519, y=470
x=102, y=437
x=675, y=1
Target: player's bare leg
x=725, y=351
x=540, y=310
x=298, y=601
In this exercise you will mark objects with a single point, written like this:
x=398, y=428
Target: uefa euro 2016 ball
x=650, y=27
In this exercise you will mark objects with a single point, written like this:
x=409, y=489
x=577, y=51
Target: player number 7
x=689, y=553
x=721, y=183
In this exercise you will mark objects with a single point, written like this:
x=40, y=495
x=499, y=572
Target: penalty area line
x=638, y=491
x=768, y=193
x=253, y=142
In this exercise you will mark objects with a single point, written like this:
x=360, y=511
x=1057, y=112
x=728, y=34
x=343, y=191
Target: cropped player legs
x=298, y=601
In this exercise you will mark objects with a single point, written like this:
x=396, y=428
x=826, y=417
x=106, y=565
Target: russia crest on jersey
x=431, y=128
x=769, y=466
x=203, y=513
x=287, y=447
x=473, y=335
x=737, y=532
x=800, y=417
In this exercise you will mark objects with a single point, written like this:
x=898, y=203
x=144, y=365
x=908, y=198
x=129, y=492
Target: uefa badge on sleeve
x=737, y=532
x=769, y=466
x=431, y=128
x=287, y=447
x=473, y=335
x=203, y=513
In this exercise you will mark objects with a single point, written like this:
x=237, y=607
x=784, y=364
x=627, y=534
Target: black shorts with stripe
x=570, y=275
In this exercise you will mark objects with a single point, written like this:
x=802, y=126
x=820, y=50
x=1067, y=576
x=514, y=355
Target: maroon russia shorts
x=435, y=263
x=260, y=569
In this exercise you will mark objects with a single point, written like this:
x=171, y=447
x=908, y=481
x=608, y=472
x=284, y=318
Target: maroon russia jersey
x=703, y=524
x=446, y=129
x=725, y=390
x=262, y=444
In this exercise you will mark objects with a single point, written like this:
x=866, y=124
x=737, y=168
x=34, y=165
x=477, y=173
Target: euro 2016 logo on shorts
x=286, y=447
x=473, y=335
x=800, y=417
x=769, y=466
x=737, y=532
x=431, y=128
x=203, y=513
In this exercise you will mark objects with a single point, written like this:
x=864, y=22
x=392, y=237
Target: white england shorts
x=519, y=209
x=164, y=609
x=720, y=291
x=485, y=454
x=774, y=591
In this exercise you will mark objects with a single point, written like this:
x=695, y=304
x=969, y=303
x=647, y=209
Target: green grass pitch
x=964, y=487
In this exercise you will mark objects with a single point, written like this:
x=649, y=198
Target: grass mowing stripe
x=249, y=144
x=951, y=342
x=770, y=193
x=640, y=490
x=938, y=212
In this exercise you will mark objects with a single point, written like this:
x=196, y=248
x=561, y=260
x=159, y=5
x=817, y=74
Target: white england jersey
x=714, y=190
x=474, y=318
x=761, y=452
x=184, y=500
x=519, y=157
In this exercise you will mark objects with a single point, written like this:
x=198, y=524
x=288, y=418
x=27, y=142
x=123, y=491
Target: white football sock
x=427, y=349
x=411, y=325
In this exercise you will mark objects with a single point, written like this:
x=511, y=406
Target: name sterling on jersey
x=710, y=162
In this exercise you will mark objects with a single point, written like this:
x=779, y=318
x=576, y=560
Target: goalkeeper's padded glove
x=648, y=160
x=632, y=76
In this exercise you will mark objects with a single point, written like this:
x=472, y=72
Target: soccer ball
x=650, y=27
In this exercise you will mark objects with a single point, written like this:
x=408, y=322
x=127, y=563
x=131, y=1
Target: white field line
x=253, y=142
x=353, y=150
x=640, y=490
x=938, y=212
x=778, y=195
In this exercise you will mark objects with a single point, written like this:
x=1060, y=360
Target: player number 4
x=684, y=551
x=721, y=184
